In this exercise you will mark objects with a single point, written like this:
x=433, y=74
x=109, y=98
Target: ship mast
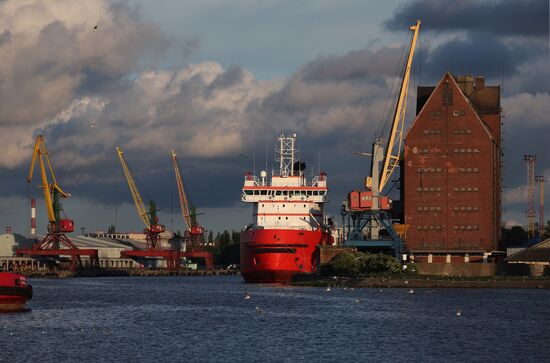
x=286, y=155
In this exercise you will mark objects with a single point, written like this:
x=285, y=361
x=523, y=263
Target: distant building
x=452, y=187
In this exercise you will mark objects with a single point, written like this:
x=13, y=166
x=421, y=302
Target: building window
x=435, y=114
x=428, y=170
x=458, y=113
x=466, y=151
x=468, y=170
x=466, y=189
x=466, y=209
x=426, y=208
x=432, y=132
x=430, y=189
x=469, y=227
x=462, y=131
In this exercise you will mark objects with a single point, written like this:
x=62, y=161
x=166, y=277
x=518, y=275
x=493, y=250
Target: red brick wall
x=452, y=175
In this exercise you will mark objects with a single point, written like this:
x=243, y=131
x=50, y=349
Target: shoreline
x=124, y=273
x=429, y=282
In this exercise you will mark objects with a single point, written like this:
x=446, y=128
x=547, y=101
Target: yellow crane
x=52, y=191
x=149, y=219
x=367, y=210
x=51, y=245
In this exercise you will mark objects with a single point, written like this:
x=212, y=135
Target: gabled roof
x=537, y=253
x=450, y=78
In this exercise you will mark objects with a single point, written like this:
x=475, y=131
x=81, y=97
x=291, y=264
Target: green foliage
x=111, y=229
x=358, y=263
x=514, y=236
x=345, y=264
x=375, y=263
x=546, y=232
x=210, y=237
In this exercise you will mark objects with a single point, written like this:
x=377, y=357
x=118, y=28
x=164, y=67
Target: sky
x=219, y=80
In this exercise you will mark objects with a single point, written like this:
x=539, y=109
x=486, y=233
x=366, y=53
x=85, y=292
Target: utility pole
x=530, y=213
x=540, y=181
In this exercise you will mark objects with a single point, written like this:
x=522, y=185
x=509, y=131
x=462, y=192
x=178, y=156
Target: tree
x=514, y=236
x=546, y=232
x=210, y=238
x=111, y=229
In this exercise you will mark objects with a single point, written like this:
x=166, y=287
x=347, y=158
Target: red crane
x=193, y=237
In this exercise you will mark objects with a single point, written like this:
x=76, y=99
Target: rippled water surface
x=208, y=319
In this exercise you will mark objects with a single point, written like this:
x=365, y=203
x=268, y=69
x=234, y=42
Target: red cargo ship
x=288, y=219
x=14, y=292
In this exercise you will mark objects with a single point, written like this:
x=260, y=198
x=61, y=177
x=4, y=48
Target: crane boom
x=41, y=153
x=140, y=207
x=181, y=191
x=395, y=142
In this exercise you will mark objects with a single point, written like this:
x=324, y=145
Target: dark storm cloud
x=500, y=18
x=481, y=54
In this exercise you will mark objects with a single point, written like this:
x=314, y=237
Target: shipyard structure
x=451, y=177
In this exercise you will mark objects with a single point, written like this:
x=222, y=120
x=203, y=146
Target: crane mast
x=367, y=211
x=193, y=238
x=152, y=228
x=181, y=192
x=395, y=142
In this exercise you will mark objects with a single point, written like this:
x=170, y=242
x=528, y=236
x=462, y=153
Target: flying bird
x=95, y=28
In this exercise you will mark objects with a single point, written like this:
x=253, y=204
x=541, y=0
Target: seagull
x=357, y=301
x=92, y=124
x=328, y=289
x=411, y=291
x=247, y=296
x=406, y=281
x=458, y=312
x=95, y=28
x=258, y=310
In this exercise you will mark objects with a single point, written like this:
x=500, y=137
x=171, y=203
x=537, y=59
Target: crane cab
x=361, y=200
x=65, y=226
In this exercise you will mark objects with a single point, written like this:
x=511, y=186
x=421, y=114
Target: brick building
x=452, y=187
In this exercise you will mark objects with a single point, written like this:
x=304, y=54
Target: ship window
x=278, y=192
x=283, y=205
x=279, y=218
x=286, y=218
x=263, y=192
x=285, y=192
x=248, y=192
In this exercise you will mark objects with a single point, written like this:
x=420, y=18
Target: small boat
x=14, y=292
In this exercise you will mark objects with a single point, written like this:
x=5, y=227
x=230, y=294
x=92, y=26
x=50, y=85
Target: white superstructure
x=288, y=201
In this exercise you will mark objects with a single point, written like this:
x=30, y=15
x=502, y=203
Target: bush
x=345, y=264
x=376, y=263
x=356, y=263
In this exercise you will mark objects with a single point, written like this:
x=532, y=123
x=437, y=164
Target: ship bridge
x=288, y=200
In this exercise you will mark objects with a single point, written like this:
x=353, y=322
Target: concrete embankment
x=423, y=282
x=125, y=272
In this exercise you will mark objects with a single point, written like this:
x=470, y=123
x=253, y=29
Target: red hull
x=274, y=255
x=14, y=292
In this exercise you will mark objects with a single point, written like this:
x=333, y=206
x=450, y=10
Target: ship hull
x=14, y=292
x=274, y=255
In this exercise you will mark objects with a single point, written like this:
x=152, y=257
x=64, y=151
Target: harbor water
x=185, y=318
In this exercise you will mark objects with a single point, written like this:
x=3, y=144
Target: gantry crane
x=366, y=212
x=56, y=243
x=193, y=238
x=152, y=229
